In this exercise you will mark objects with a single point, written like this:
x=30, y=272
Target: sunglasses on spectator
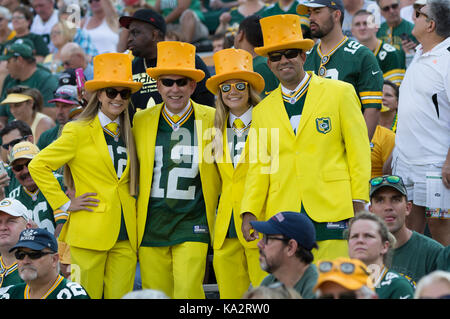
x=90, y=1
x=19, y=167
x=112, y=93
x=392, y=6
x=240, y=86
x=170, y=82
x=289, y=54
x=418, y=13
x=391, y=179
x=342, y=295
x=14, y=142
x=35, y=254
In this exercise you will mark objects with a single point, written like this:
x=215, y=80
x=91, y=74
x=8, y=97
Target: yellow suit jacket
x=233, y=181
x=145, y=128
x=83, y=147
x=324, y=166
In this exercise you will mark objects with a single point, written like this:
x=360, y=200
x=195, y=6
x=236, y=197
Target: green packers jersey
x=389, y=60
x=62, y=288
x=353, y=63
x=176, y=209
x=118, y=153
x=275, y=9
x=9, y=275
x=40, y=210
x=394, y=286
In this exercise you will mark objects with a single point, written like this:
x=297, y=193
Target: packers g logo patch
x=323, y=125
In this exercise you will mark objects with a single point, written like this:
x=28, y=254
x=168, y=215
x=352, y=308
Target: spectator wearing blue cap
x=285, y=251
x=38, y=263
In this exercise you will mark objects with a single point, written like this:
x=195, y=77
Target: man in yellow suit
x=178, y=187
x=313, y=152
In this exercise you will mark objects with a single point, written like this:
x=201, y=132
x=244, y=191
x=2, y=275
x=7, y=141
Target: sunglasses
x=240, y=86
x=14, y=142
x=343, y=295
x=392, y=6
x=19, y=168
x=266, y=239
x=345, y=267
x=170, y=82
x=289, y=54
x=112, y=93
x=90, y=1
x=391, y=179
x=419, y=13
x=35, y=254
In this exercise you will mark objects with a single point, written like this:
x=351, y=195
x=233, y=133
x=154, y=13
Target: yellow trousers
x=105, y=274
x=235, y=268
x=330, y=250
x=176, y=270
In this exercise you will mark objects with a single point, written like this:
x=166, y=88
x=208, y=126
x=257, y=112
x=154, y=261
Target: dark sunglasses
x=170, y=82
x=14, y=142
x=343, y=295
x=392, y=6
x=391, y=179
x=112, y=93
x=90, y=1
x=35, y=254
x=267, y=237
x=418, y=13
x=289, y=54
x=240, y=86
x=19, y=168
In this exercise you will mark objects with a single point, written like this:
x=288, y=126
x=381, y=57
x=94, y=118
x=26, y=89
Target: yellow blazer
x=233, y=181
x=324, y=166
x=83, y=147
x=145, y=128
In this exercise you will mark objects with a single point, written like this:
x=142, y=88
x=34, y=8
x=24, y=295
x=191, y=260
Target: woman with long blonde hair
x=237, y=89
x=99, y=150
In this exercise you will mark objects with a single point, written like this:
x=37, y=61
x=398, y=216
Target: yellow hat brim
x=94, y=85
x=16, y=98
x=255, y=79
x=196, y=75
x=305, y=44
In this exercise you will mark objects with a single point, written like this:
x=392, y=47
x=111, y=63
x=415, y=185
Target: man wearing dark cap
x=337, y=57
x=285, y=251
x=388, y=200
x=38, y=263
x=23, y=70
x=145, y=29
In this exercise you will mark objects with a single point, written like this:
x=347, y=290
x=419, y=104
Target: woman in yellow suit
x=99, y=151
x=237, y=87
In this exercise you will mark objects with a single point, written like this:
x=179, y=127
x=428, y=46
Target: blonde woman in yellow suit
x=237, y=88
x=179, y=183
x=101, y=229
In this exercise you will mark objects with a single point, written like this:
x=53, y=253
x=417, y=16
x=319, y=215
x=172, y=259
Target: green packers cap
x=392, y=181
x=17, y=49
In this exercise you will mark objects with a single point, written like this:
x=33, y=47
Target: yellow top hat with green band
x=16, y=98
x=234, y=64
x=282, y=32
x=176, y=58
x=110, y=70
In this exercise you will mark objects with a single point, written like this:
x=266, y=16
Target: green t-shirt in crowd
x=48, y=137
x=394, y=286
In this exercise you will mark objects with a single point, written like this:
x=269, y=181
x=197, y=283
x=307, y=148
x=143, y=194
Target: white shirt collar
x=246, y=118
x=286, y=91
x=179, y=113
x=104, y=120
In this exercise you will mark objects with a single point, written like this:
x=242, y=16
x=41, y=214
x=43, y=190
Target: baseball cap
x=393, y=181
x=349, y=273
x=66, y=94
x=292, y=225
x=17, y=49
x=145, y=15
x=67, y=77
x=36, y=239
x=302, y=8
x=13, y=207
x=23, y=150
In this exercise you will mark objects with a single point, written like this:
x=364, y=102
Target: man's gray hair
x=5, y=13
x=439, y=12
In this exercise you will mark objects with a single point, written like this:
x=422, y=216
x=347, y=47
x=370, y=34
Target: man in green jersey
x=415, y=255
x=23, y=188
x=38, y=263
x=14, y=218
x=339, y=58
x=388, y=57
